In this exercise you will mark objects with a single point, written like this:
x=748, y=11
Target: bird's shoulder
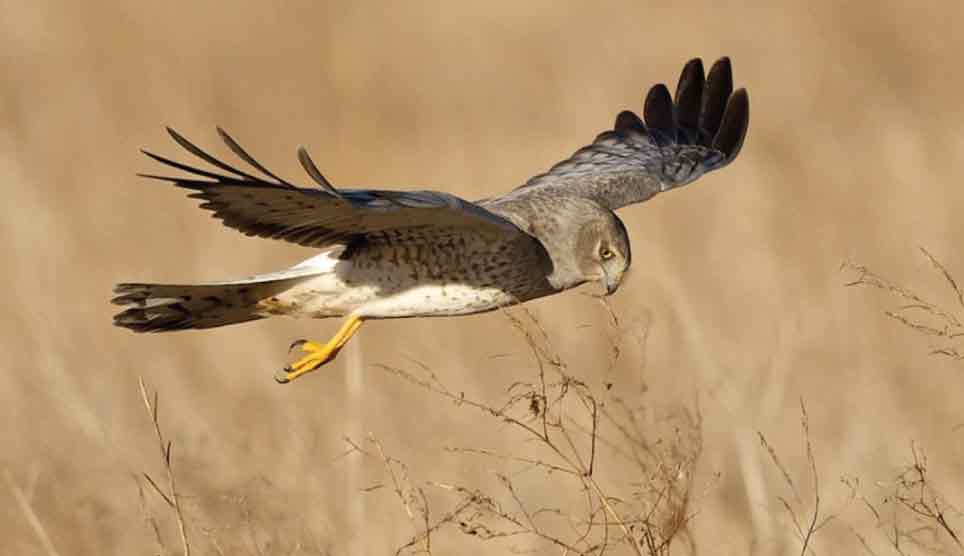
x=542, y=213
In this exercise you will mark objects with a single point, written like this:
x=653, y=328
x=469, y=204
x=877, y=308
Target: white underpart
x=435, y=299
x=338, y=289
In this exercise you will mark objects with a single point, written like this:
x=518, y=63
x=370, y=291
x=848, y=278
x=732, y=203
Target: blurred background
x=735, y=305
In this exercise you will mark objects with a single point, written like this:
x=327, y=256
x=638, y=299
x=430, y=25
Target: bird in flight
x=392, y=254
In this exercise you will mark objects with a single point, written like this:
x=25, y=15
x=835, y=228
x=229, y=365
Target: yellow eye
x=605, y=253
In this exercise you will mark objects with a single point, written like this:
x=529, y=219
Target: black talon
x=296, y=344
x=283, y=378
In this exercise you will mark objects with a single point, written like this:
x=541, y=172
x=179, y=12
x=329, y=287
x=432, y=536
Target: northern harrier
x=390, y=254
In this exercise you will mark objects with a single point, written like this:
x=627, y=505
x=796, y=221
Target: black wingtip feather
x=716, y=93
x=243, y=155
x=309, y=165
x=184, y=167
x=689, y=94
x=659, y=112
x=628, y=121
x=236, y=177
x=157, y=177
x=200, y=153
x=735, y=121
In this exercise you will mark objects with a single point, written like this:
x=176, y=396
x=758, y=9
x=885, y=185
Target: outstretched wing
x=274, y=208
x=675, y=142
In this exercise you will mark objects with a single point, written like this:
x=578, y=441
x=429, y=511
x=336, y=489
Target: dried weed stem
x=25, y=508
x=571, y=437
x=171, y=498
x=943, y=324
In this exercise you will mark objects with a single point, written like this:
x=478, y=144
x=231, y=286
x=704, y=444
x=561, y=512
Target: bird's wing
x=271, y=207
x=677, y=141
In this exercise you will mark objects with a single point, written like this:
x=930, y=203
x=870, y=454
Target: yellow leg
x=319, y=354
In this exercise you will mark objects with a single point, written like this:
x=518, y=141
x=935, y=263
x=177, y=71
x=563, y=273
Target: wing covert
x=678, y=140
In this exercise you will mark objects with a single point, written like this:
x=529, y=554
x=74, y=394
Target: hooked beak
x=612, y=281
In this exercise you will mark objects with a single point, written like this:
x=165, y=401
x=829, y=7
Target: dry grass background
x=735, y=303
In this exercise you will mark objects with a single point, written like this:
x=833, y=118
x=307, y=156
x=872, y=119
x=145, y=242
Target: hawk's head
x=602, y=250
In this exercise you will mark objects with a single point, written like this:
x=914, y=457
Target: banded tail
x=167, y=307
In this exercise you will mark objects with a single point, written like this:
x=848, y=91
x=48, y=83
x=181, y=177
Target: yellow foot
x=316, y=354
